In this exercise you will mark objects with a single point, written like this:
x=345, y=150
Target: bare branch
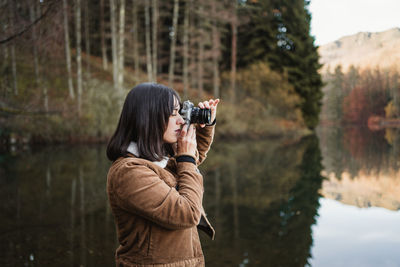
x=30, y=25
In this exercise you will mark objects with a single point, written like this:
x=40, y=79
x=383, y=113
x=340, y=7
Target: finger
x=184, y=131
x=214, y=102
x=201, y=105
x=214, y=107
x=193, y=136
x=206, y=104
x=190, y=131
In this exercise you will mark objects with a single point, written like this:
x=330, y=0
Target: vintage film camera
x=192, y=114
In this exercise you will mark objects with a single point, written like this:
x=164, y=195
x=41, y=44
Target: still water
x=327, y=200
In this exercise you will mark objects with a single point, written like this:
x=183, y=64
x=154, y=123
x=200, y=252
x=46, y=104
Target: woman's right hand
x=187, y=141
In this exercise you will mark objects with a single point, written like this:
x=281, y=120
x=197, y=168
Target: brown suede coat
x=158, y=211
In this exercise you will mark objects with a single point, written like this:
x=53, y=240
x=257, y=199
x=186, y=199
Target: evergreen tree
x=278, y=32
x=257, y=40
x=298, y=55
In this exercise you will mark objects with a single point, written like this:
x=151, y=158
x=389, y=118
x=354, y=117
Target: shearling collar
x=133, y=149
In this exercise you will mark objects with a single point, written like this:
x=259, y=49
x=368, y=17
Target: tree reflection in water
x=363, y=166
x=263, y=201
x=355, y=149
x=54, y=208
x=261, y=197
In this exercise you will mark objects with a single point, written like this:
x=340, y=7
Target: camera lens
x=200, y=116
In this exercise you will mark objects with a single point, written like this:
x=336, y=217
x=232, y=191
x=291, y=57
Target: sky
x=333, y=19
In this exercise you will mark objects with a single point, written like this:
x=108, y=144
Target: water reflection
x=54, y=209
x=261, y=197
x=359, y=216
x=346, y=235
x=363, y=167
x=264, y=199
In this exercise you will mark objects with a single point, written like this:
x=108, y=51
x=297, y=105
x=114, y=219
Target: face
x=175, y=123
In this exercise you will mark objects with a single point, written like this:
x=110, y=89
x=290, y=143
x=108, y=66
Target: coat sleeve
x=139, y=190
x=204, y=139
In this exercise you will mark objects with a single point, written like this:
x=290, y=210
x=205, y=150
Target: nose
x=180, y=120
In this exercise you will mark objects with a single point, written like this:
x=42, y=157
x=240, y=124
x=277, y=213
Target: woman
x=154, y=187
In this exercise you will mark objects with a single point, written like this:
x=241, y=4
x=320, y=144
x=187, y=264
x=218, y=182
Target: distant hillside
x=364, y=49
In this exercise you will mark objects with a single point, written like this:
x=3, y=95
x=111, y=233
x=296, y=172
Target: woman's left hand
x=210, y=104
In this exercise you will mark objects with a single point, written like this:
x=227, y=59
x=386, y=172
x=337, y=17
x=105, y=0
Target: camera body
x=192, y=114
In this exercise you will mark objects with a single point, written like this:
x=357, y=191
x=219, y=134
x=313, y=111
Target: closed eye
x=175, y=112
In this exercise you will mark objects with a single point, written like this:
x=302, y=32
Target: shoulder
x=137, y=170
x=128, y=164
x=128, y=167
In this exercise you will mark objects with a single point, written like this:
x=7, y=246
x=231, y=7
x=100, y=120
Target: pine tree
x=298, y=56
x=257, y=36
x=278, y=32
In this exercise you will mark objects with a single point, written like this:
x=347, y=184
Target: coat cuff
x=213, y=123
x=186, y=158
x=207, y=130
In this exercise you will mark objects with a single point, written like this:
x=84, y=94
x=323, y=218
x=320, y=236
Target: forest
x=361, y=96
x=66, y=66
x=363, y=106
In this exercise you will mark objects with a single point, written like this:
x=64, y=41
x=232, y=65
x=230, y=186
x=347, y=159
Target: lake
x=327, y=200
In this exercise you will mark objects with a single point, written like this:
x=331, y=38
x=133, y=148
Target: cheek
x=171, y=123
